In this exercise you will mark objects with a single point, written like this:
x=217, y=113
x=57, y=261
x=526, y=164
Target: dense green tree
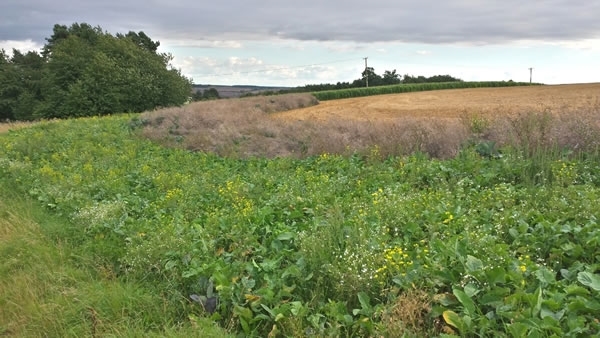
x=89, y=72
x=20, y=84
x=436, y=78
x=369, y=76
x=142, y=40
x=207, y=94
x=8, y=86
x=391, y=78
x=83, y=71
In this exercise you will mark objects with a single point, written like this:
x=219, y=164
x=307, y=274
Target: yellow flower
x=523, y=268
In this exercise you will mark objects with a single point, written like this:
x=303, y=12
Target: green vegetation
x=411, y=87
x=83, y=71
x=49, y=287
x=323, y=246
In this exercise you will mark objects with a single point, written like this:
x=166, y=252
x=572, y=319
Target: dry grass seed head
x=408, y=315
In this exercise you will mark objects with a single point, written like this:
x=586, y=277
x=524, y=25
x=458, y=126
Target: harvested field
x=455, y=103
x=438, y=123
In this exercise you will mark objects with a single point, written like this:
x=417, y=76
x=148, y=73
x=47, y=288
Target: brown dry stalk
x=292, y=126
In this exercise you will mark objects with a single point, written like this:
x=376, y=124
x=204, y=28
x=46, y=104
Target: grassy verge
x=49, y=288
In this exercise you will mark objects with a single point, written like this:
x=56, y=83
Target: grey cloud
x=427, y=21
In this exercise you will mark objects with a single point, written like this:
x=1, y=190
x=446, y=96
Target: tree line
x=373, y=79
x=368, y=75
x=84, y=71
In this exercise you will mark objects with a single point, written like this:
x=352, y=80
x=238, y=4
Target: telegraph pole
x=366, y=73
x=530, y=74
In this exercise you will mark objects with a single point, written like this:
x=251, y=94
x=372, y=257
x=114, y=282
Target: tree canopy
x=84, y=71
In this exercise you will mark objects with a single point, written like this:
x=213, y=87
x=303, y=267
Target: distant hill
x=236, y=90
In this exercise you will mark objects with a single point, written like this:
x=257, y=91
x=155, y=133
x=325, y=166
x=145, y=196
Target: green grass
x=325, y=246
x=411, y=87
x=48, y=288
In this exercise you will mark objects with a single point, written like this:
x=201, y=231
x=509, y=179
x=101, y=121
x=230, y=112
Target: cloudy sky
x=285, y=43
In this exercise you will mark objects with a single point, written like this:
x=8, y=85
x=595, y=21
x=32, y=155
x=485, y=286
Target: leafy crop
x=328, y=245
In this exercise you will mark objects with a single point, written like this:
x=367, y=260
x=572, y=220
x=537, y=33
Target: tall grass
x=256, y=132
x=49, y=288
x=7, y=126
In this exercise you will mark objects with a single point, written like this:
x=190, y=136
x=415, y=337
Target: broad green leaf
x=545, y=312
x=473, y=264
x=518, y=329
x=545, y=276
x=494, y=297
x=471, y=289
x=576, y=290
x=536, y=302
x=268, y=310
x=364, y=300
x=590, y=280
x=445, y=299
x=496, y=275
x=466, y=301
x=170, y=264
x=453, y=319
x=296, y=307
x=286, y=236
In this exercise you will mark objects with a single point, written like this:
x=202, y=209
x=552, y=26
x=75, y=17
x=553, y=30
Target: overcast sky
x=285, y=43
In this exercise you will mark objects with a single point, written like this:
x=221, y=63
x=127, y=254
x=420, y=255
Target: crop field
x=281, y=217
x=456, y=103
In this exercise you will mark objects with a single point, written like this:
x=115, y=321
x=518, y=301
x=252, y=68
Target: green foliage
x=405, y=88
x=207, y=94
x=326, y=246
x=51, y=288
x=20, y=84
x=422, y=79
x=388, y=78
x=84, y=71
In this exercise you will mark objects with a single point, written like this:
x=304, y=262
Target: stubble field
x=455, y=103
x=437, y=123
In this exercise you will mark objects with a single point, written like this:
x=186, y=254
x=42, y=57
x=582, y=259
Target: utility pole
x=530, y=74
x=366, y=73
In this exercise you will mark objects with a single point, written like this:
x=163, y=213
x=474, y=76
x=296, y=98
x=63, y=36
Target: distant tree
x=391, y=78
x=436, y=78
x=373, y=78
x=207, y=94
x=443, y=78
x=210, y=94
x=412, y=79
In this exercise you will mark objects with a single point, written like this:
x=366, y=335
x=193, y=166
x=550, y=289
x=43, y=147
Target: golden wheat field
x=456, y=103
